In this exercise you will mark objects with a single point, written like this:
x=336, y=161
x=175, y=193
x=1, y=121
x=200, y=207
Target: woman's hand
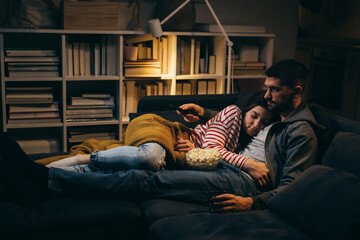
x=258, y=171
x=225, y=203
x=191, y=106
x=183, y=145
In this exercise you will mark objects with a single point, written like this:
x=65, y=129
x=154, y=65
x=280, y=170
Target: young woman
x=230, y=130
x=28, y=183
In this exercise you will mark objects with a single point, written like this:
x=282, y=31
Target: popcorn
x=203, y=159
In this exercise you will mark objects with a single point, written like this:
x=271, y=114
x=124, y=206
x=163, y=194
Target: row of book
x=134, y=90
x=92, y=58
x=195, y=57
x=31, y=63
x=200, y=87
x=31, y=105
x=91, y=107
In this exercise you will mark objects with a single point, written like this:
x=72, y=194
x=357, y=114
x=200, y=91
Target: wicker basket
x=202, y=159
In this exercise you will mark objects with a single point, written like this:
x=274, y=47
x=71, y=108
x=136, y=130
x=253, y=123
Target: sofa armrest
x=159, y=105
x=323, y=202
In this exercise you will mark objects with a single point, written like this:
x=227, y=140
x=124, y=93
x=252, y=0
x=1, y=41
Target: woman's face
x=256, y=119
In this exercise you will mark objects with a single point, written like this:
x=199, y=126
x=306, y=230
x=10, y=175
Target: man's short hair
x=290, y=72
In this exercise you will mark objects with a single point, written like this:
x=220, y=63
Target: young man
x=290, y=148
x=290, y=145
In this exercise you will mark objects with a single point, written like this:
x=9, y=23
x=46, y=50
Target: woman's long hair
x=257, y=99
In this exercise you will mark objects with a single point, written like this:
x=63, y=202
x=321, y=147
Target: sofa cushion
x=153, y=210
x=339, y=123
x=344, y=153
x=253, y=225
x=323, y=202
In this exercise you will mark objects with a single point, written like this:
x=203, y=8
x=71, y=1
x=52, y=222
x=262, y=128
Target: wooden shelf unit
x=64, y=85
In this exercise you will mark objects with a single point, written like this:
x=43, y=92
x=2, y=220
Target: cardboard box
x=91, y=15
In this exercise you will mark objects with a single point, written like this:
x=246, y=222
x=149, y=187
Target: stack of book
x=32, y=63
x=78, y=135
x=152, y=56
x=143, y=68
x=31, y=105
x=248, y=68
x=90, y=107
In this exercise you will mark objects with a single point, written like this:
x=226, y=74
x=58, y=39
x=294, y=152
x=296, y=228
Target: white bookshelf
x=65, y=85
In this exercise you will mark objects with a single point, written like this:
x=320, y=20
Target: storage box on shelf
x=91, y=15
x=93, y=62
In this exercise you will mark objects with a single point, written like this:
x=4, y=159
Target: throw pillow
x=344, y=153
x=323, y=202
x=324, y=131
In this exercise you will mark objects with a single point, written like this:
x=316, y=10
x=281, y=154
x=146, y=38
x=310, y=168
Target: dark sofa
x=323, y=203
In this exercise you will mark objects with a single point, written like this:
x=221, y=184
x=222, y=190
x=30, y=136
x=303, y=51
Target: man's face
x=279, y=98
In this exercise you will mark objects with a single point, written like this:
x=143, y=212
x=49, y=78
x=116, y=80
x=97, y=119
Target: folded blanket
x=143, y=129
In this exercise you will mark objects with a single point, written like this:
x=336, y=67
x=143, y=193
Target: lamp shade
x=155, y=27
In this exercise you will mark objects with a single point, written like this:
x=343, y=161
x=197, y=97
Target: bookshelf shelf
x=91, y=78
x=249, y=76
x=143, y=79
x=142, y=76
x=32, y=79
x=80, y=73
x=198, y=76
x=34, y=125
x=166, y=77
x=93, y=123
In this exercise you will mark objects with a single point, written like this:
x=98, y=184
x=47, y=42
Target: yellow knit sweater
x=143, y=129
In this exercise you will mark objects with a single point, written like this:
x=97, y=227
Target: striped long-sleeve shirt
x=222, y=132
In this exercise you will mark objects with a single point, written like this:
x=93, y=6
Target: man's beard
x=284, y=106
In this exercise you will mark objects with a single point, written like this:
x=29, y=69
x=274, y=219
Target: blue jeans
x=186, y=185
x=148, y=156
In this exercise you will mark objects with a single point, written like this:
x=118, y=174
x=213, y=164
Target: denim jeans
x=148, y=156
x=185, y=185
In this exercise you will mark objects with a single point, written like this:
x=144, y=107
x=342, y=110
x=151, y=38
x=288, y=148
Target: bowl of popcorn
x=202, y=159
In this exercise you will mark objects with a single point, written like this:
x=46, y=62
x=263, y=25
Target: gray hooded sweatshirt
x=290, y=148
